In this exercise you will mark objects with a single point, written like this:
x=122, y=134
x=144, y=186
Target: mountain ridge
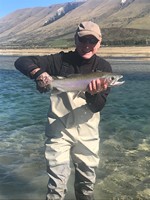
x=120, y=24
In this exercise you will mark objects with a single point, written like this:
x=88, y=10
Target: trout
x=80, y=82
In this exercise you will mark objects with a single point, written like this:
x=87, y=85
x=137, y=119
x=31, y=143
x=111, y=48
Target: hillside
x=122, y=22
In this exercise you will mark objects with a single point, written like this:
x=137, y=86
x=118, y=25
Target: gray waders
x=72, y=134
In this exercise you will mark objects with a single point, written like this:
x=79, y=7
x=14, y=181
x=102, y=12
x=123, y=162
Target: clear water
x=124, y=170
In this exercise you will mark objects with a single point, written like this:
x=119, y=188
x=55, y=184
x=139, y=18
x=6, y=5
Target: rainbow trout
x=80, y=82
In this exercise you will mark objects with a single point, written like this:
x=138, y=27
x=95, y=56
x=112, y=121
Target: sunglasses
x=85, y=40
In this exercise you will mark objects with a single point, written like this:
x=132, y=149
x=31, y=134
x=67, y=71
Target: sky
x=9, y=6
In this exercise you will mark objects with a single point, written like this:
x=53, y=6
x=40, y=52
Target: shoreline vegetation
x=109, y=52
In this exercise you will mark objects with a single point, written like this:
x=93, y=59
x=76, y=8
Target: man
x=72, y=126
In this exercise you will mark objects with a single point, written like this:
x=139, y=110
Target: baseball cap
x=89, y=28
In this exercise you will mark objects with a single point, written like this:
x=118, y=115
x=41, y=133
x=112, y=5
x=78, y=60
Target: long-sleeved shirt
x=63, y=64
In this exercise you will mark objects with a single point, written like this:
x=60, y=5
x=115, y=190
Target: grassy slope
x=24, y=28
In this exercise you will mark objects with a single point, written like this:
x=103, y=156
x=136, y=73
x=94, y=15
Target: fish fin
x=76, y=95
x=55, y=91
x=79, y=94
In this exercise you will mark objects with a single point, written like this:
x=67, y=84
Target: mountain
x=123, y=22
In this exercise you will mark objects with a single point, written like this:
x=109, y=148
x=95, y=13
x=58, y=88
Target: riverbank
x=112, y=52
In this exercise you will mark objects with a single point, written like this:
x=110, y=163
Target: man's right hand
x=43, y=80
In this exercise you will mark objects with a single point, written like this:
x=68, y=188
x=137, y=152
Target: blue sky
x=8, y=6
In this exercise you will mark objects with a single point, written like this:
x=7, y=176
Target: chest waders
x=72, y=133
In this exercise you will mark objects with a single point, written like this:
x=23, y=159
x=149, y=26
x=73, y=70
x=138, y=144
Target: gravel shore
x=112, y=52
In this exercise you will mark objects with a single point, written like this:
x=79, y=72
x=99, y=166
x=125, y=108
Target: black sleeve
x=97, y=102
x=49, y=63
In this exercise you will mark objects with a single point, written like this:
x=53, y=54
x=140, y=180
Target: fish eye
x=112, y=78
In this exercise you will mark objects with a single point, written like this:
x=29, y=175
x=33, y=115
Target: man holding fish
x=80, y=81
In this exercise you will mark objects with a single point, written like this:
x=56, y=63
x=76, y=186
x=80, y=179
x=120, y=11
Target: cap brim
x=85, y=33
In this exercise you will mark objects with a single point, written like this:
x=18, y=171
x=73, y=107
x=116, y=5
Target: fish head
x=113, y=80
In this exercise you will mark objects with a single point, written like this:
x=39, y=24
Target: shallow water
x=124, y=170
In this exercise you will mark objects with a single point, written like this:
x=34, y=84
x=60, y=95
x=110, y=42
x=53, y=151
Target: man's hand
x=43, y=82
x=97, y=86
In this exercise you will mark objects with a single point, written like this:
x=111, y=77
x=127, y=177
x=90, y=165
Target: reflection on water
x=124, y=170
